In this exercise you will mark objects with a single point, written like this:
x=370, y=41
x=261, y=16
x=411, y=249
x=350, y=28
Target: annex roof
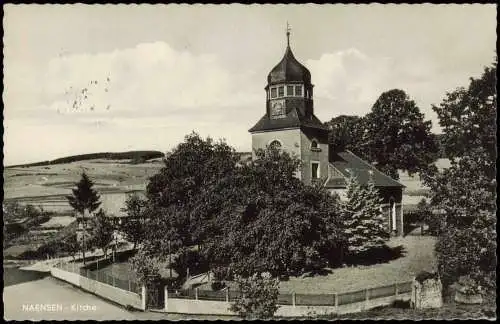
x=346, y=162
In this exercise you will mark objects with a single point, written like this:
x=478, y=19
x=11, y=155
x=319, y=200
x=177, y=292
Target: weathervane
x=288, y=33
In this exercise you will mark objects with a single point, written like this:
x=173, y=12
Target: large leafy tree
x=397, y=137
x=468, y=117
x=232, y=212
x=465, y=193
x=262, y=218
x=346, y=133
x=173, y=192
x=364, y=224
x=134, y=226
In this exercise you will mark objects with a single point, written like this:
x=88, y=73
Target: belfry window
x=281, y=91
x=298, y=91
x=273, y=92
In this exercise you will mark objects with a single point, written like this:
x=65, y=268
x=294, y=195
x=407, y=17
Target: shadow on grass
x=383, y=254
x=410, y=227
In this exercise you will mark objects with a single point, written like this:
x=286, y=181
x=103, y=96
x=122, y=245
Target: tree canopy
x=134, y=226
x=397, y=137
x=245, y=218
x=346, y=133
x=101, y=231
x=468, y=117
x=84, y=196
x=465, y=193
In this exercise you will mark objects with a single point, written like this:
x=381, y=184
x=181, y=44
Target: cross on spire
x=288, y=33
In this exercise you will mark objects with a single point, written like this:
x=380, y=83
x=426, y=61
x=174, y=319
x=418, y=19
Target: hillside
x=134, y=156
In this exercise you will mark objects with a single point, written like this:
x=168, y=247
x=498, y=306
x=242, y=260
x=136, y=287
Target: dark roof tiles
x=289, y=69
x=346, y=162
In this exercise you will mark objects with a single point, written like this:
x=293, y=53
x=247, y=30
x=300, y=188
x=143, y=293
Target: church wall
x=314, y=155
x=290, y=141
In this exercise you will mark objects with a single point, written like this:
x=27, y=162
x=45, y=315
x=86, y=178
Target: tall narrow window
x=273, y=92
x=392, y=211
x=281, y=91
x=315, y=170
x=289, y=91
x=298, y=91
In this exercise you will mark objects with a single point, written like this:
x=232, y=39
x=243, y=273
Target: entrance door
x=155, y=296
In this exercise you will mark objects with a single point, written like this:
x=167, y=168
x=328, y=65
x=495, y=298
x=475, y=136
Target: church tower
x=289, y=121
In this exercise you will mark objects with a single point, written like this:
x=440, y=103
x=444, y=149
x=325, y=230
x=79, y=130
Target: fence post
x=336, y=302
x=166, y=298
x=227, y=294
x=367, y=297
x=196, y=293
x=129, y=288
x=114, y=281
x=143, y=297
x=293, y=298
x=396, y=289
x=88, y=273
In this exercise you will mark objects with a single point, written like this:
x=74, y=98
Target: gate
x=155, y=296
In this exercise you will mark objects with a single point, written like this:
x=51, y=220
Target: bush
x=189, y=259
x=259, y=297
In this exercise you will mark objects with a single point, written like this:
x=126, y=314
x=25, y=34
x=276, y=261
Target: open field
x=58, y=221
x=47, y=186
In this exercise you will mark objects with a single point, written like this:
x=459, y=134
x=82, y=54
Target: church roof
x=346, y=161
x=294, y=119
x=289, y=70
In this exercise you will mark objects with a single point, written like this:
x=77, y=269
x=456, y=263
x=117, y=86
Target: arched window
x=275, y=144
x=314, y=144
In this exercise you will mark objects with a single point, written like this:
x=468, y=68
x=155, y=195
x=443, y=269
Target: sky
x=155, y=73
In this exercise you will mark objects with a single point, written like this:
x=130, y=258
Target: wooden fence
x=294, y=299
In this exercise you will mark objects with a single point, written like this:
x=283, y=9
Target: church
x=290, y=124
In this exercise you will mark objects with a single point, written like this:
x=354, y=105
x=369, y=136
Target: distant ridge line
x=134, y=155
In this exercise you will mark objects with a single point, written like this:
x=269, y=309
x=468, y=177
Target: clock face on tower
x=278, y=109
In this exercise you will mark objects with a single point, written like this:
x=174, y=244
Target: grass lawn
x=449, y=311
x=418, y=255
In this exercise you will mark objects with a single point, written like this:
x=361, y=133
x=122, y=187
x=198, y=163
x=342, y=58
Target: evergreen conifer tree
x=84, y=199
x=364, y=223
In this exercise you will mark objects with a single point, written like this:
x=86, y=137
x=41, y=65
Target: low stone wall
x=209, y=307
x=120, y=296
x=71, y=277
x=117, y=295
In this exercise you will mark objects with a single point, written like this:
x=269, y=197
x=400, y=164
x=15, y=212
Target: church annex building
x=289, y=123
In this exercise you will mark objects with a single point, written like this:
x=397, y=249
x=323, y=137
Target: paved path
x=62, y=301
